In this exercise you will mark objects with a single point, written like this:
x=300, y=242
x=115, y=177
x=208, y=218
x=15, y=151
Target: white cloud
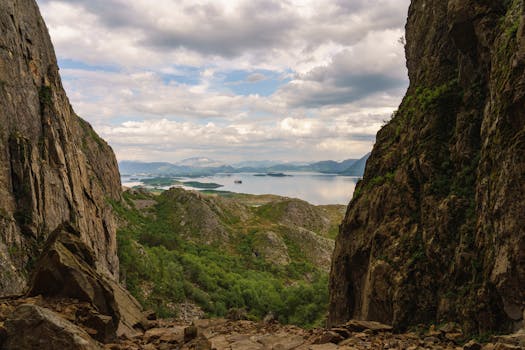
x=161, y=86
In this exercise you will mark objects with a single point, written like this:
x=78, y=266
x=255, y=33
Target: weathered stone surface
x=3, y=334
x=100, y=327
x=165, y=335
x=66, y=270
x=328, y=337
x=34, y=327
x=360, y=326
x=248, y=335
x=435, y=230
x=517, y=338
x=327, y=346
x=281, y=341
x=472, y=345
x=190, y=333
x=53, y=166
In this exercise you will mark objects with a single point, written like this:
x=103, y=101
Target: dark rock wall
x=53, y=166
x=436, y=229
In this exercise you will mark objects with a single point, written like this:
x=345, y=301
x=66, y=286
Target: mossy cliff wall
x=436, y=229
x=53, y=166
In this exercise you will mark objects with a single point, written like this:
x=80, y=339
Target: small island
x=277, y=174
x=168, y=181
x=204, y=185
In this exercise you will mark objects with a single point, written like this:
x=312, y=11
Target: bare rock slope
x=436, y=228
x=57, y=232
x=53, y=166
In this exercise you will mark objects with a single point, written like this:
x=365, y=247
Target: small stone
x=150, y=315
x=343, y=332
x=328, y=337
x=501, y=346
x=190, y=333
x=450, y=327
x=112, y=346
x=202, y=344
x=472, y=345
x=3, y=334
x=433, y=332
x=431, y=340
x=30, y=324
x=328, y=346
x=105, y=330
x=361, y=326
x=454, y=337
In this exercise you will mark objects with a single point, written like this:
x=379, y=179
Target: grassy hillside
x=225, y=252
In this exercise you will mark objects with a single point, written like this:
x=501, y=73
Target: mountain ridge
x=352, y=167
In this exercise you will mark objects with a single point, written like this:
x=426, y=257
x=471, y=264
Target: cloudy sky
x=232, y=80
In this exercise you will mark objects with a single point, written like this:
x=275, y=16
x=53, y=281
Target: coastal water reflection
x=316, y=188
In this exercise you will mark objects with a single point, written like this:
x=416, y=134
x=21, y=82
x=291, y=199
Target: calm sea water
x=315, y=188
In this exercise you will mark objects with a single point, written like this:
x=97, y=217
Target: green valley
x=254, y=255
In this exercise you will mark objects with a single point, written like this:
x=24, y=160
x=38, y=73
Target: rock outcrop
x=53, y=166
x=436, y=228
x=65, y=270
x=57, y=231
x=35, y=327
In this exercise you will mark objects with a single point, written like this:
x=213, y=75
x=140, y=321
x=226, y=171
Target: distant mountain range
x=200, y=166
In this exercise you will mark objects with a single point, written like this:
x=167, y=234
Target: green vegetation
x=160, y=181
x=443, y=96
x=45, y=96
x=218, y=192
x=89, y=132
x=164, y=261
x=169, y=181
x=374, y=182
x=204, y=185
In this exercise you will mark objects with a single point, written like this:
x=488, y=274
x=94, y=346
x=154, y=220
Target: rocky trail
x=247, y=335
x=68, y=324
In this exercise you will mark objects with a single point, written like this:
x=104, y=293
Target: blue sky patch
x=185, y=75
x=261, y=82
x=67, y=63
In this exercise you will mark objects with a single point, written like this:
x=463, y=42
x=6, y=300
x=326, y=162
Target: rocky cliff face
x=53, y=167
x=436, y=228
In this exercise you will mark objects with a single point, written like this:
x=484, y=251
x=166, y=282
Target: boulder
x=360, y=326
x=35, y=327
x=282, y=341
x=328, y=337
x=100, y=327
x=66, y=269
x=472, y=345
x=190, y=333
